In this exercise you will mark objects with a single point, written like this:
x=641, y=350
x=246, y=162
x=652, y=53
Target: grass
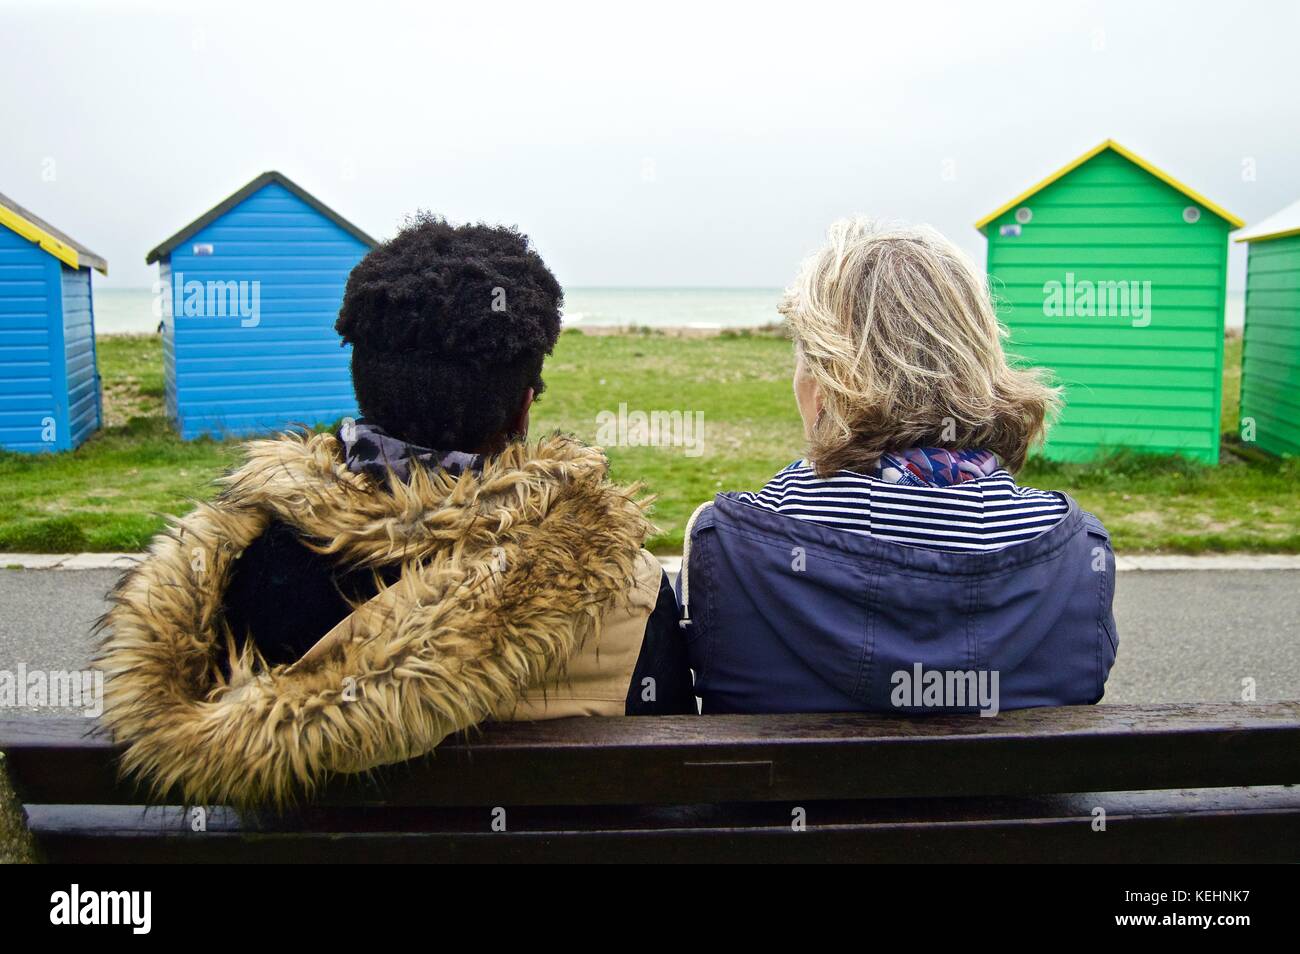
x=111, y=493
x=16, y=844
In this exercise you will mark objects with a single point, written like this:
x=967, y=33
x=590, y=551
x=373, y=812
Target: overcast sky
x=638, y=144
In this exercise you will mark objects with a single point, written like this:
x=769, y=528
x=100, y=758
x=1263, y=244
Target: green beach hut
x=1113, y=274
x=1270, y=354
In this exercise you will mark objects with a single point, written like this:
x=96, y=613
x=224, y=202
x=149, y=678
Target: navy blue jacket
x=787, y=615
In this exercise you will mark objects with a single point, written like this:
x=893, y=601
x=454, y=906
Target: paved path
x=1184, y=635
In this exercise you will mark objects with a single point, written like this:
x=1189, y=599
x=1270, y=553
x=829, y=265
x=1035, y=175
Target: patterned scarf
x=934, y=466
x=368, y=449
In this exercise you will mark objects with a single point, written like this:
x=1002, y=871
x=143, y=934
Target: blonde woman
x=898, y=567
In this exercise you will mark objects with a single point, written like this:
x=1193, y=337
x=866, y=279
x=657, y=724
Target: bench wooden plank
x=1245, y=825
x=687, y=760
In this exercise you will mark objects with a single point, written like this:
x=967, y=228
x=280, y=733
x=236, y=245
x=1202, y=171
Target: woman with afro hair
x=351, y=599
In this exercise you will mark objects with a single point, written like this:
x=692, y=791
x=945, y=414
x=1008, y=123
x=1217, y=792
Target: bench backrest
x=854, y=762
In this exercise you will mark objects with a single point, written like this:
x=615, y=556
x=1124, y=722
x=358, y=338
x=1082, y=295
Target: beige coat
x=524, y=593
x=595, y=680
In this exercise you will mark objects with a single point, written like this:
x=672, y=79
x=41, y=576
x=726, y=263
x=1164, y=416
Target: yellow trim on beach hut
x=36, y=230
x=1281, y=225
x=1131, y=157
x=63, y=252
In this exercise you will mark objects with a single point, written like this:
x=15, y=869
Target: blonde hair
x=897, y=328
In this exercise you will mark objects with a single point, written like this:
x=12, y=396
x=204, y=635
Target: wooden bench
x=1176, y=783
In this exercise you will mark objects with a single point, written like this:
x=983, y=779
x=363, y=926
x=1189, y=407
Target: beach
x=690, y=310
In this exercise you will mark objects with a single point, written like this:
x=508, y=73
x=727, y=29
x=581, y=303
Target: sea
x=131, y=310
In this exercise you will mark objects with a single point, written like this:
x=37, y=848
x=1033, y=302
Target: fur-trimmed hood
x=504, y=574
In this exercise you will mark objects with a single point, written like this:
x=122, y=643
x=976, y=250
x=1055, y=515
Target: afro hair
x=449, y=326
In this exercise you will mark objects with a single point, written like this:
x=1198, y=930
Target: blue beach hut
x=250, y=291
x=49, y=385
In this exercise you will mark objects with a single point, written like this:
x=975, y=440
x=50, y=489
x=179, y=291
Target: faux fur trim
x=504, y=575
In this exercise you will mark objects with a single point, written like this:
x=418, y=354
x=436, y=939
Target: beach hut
x=250, y=292
x=1113, y=274
x=49, y=384
x=1270, y=354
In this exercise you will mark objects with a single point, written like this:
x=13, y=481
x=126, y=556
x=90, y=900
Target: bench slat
x=1247, y=825
x=688, y=760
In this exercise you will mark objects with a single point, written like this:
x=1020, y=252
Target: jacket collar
x=748, y=519
x=368, y=449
